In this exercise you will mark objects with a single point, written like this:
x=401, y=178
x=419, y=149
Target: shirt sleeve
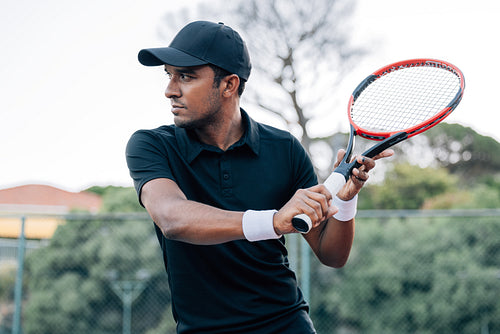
x=146, y=159
x=305, y=175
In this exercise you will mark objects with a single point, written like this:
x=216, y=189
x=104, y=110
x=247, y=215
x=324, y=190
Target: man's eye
x=169, y=75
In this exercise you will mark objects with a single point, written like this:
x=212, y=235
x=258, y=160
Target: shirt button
x=226, y=176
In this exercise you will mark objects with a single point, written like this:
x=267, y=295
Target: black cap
x=201, y=43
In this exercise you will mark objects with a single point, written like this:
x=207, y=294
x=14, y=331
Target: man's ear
x=230, y=85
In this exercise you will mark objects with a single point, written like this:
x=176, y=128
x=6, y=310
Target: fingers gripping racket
x=394, y=103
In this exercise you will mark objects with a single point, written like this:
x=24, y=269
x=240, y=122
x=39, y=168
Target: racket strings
x=404, y=98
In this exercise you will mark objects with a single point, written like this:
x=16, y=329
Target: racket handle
x=333, y=183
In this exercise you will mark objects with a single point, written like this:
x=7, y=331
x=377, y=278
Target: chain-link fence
x=409, y=272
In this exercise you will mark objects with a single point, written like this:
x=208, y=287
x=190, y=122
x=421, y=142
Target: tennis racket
x=394, y=103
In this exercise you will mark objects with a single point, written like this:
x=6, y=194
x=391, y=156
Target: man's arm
x=330, y=239
x=184, y=220
x=332, y=242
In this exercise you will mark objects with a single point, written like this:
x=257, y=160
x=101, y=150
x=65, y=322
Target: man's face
x=195, y=101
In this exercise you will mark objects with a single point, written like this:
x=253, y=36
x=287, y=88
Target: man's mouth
x=176, y=108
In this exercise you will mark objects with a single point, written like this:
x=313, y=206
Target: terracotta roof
x=48, y=197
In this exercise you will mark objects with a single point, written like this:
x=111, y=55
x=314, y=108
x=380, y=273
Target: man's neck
x=224, y=133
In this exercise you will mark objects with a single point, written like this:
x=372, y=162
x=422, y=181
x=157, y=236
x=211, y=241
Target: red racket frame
x=414, y=130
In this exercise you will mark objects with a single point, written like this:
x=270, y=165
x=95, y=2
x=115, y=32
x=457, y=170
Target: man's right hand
x=315, y=202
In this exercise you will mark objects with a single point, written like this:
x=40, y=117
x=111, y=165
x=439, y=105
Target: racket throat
x=350, y=145
x=384, y=144
x=345, y=168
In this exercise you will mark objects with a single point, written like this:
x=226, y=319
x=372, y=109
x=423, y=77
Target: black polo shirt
x=239, y=286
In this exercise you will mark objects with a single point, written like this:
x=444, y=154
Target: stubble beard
x=208, y=119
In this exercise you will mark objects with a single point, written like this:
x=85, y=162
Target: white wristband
x=347, y=209
x=258, y=225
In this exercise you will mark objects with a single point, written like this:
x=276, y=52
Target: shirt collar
x=190, y=147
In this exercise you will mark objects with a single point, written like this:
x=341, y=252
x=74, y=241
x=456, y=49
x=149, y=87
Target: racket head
x=409, y=96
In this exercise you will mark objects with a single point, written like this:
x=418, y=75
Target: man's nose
x=172, y=89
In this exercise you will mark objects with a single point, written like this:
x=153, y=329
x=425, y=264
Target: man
x=222, y=190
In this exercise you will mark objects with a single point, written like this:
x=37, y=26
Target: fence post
x=18, y=292
x=293, y=252
x=305, y=268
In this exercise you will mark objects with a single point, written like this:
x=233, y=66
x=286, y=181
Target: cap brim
x=169, y=56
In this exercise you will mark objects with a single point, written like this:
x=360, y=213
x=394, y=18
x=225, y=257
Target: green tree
x=407, y=186
x=7, y=285
x=415, y=276
x=459, y=149
x=69, y=281
x=8, y=279
x=480, y=196
x=437, y=170
x=117, y=199
x=465, y=152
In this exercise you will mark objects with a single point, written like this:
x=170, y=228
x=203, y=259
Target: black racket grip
x=301, y=224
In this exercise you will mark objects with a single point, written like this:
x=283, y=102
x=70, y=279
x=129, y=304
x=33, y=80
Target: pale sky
x=72, y=91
